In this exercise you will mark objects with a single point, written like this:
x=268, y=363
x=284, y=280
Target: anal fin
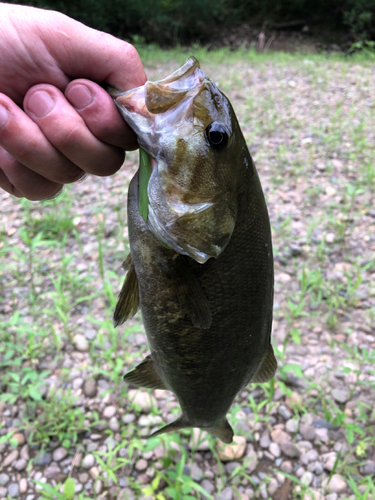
x=267, y=368
x=128, y=300
x=224, y=432
x=144, y=375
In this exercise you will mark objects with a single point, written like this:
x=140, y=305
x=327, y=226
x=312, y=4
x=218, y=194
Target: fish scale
x=203, y=279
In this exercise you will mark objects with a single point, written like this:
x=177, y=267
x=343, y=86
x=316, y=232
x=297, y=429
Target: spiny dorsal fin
x=144, y=375
x=172, y=427
x=224, y=432
x=267, y=369
x=189, y=292
x=128, y=300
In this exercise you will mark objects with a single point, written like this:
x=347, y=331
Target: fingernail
x=40, y=103
x=79, y=95
x=4, y=115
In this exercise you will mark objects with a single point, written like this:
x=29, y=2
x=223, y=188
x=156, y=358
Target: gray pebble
x=92, y=447
x=307, y=432
x=126, y=494
x=265, y=440
x=225, y=494
x=4, y=478
x=80, y=343
x=340, y=395
x=59, y=454
x=13, y=490
x=109, y=411
x=307, y=478
x=290, y=450
x=20, y=464
x=3, y=492
x=196, y=472
x=368, y=468
x=10, y=458
x=23, y=485
x=231, y=466
x=292, y=425
x=208, y=486
x=88, y=461
x=42, y=458
x=309, y=456
x=90, y=388
x=77, y=383
x=52, y=471
x=90, y=333
x=287, y=467
x=141, y=465
x=127, y=419
x=275, y=450
x=114, y=424
x=284, y=412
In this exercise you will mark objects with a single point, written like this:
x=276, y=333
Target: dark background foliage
x=171, y=21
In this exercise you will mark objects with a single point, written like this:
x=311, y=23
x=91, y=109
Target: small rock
x=335, y=485
x=10, y=458
x=90, y=388
x=143, y=399
x=52, y=471
x=83, y=477
x=307, y=478
x=25, y=452
x=321, y=435
x=88, y=461
x=284, y=412
x=4, y=478
x=292, y=425
x=199, y=440
x=251, y=459
x=225, y=494
x=23, y=485
x=307, y=432
x=309, y=456
x=287, y=467
x=196, y=472
x=280, y=436
x=272, y=486
x=230, y=467
x=20, y=464
x=98, y=486
x=207, y=486
x=77, y=383
x=80, y=343
x=109, y=411
x=59, y=454
x=94, y=472
x=233, y=451
x=316, y=468
x=128, y=418
x=368, y=468
x=13, y=490
x=328, y=460
x=19, y=437
x=290, y=450
x=42, y=458
x=3, y=492
x=275, y=450
x=90, y=333
x=265, y=440
x=340, y=395
x=141, y=465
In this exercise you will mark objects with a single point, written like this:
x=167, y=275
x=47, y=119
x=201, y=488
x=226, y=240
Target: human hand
x=68, y=126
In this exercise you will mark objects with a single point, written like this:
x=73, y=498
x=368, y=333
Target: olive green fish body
x=208, y=320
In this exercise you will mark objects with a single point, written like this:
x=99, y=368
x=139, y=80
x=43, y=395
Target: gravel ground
x=309, y=123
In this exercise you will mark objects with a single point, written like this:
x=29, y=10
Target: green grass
x=308, y=120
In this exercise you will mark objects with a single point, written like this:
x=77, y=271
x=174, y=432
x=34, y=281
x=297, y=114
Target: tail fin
x=224, y=432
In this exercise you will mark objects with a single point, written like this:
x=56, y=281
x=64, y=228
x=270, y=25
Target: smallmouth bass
x=200, y=266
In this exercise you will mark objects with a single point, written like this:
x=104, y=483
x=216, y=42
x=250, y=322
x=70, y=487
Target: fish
x=200, y=266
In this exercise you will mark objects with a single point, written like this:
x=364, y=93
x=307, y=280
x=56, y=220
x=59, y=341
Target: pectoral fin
x=224, y=432
x=172, y=427
x=128, y=300
x=188, y=291
x=267, y=368
x=144, y=375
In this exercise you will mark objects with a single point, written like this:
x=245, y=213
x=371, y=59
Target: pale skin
x=56, y=122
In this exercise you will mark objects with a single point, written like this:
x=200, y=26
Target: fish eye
x=217, y=136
